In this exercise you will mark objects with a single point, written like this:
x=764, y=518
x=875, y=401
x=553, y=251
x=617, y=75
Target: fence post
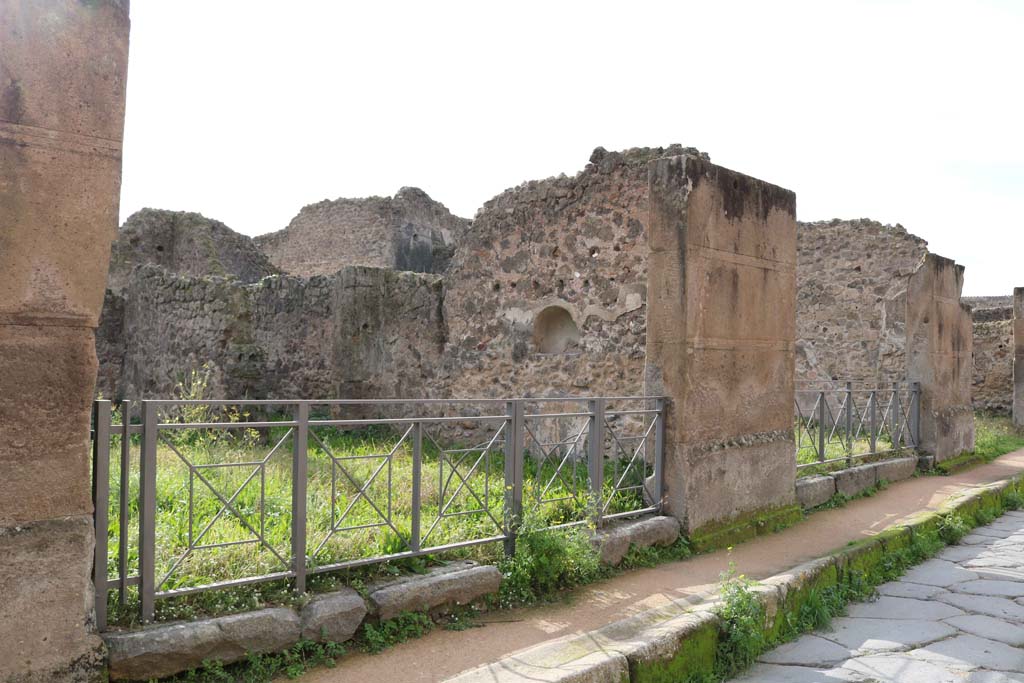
x=124, y=509
x=897, y=417
x=822, y=411
x=874, y=421
x=849, y=424
x=915, y=413
x=101, y=503
x=595, y=456
x=417, y=467
x=659, y=454
x=147, y=511
x=513, y=473
x=300, y=467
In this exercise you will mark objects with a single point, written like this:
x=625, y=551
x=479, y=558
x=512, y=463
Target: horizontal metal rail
x=580, y=463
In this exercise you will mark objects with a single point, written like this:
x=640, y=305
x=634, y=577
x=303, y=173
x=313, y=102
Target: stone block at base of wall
x=819, y=489
x=814, y=491
x=615, y=540
x=896, y=469
x=46, y=603
x=166, y=650
x=856, y=479
x=333, y=617
x=459, y=583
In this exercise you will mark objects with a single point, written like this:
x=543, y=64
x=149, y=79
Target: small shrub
x=547, y=561
x=257, y=668
x=389, y=632
x=742, y=626
x=953, y=527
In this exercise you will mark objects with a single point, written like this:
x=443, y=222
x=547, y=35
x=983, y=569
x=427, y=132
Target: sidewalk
x=957, y=618
x=442, y=654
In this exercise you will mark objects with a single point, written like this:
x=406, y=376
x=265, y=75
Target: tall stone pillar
x=940, y=341
x=721, y=327
x=1018, y=357
x=62, y=88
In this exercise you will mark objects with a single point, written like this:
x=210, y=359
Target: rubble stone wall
x=572, y=243
x=283, y=337
x=187, y=243
x=993, y=366
x=409, y=231
x=851, y=300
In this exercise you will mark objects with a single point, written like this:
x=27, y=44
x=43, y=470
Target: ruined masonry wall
x=993, y=366
x=851, y=300
x=186, y=243
x=577, y=243
x=409, y=232
x=283, y=337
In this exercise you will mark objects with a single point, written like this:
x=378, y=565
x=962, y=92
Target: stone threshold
x=678, y=641
x=166, y=649
x=818, y=489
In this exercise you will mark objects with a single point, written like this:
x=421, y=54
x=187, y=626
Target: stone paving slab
x=958, y=618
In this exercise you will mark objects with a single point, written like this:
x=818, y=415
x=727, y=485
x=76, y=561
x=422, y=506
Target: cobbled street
x=956, y=618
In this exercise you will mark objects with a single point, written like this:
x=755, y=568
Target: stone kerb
x=940, y=336
x=1018, y=356
x=720, y=346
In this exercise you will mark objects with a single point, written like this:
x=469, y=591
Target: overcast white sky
x=907, y=112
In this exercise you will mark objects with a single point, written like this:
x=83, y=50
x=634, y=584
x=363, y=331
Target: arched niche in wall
x=555, y=331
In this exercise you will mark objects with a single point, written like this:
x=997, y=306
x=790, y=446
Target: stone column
x=1018, y=357
x=62, y=87
x=721, y=329
x=940, y=340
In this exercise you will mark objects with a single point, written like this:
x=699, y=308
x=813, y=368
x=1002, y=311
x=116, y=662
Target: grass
x=995, y=436
x=350, y=515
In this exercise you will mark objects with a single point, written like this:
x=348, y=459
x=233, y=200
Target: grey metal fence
x=289, y=489
x=842, y=423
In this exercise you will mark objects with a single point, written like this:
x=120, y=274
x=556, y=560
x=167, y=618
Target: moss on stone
x=958, y=463
x=694, y=659
x=743, y=528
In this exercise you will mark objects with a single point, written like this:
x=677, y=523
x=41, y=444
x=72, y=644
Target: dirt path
x=444, y=653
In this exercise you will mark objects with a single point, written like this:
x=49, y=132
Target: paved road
x=956, y=618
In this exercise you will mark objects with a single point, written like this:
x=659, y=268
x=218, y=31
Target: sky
x=904, y=112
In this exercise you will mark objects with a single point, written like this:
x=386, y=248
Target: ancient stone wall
x=721, y=342
x=939, y=356
x=63, y=67
x=992, y=389
x=1018, y=357
x=851, y=300
x=186, y=243
x=409, y=232
x=546, y=295
x=283, y=337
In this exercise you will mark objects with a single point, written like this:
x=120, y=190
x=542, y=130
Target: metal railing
x=842, y=424
x=302, y=498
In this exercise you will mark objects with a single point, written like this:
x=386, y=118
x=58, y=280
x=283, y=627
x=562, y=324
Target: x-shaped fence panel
x=835, y=425
x=356, y=498
x=344, y=490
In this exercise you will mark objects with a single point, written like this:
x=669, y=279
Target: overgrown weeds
x=547, y=561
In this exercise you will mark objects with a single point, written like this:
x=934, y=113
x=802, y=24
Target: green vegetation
x=375, y=637
x=995, y=436
x=837, y=448
x=292, y=663
x=350, y=514
x=547, y=561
